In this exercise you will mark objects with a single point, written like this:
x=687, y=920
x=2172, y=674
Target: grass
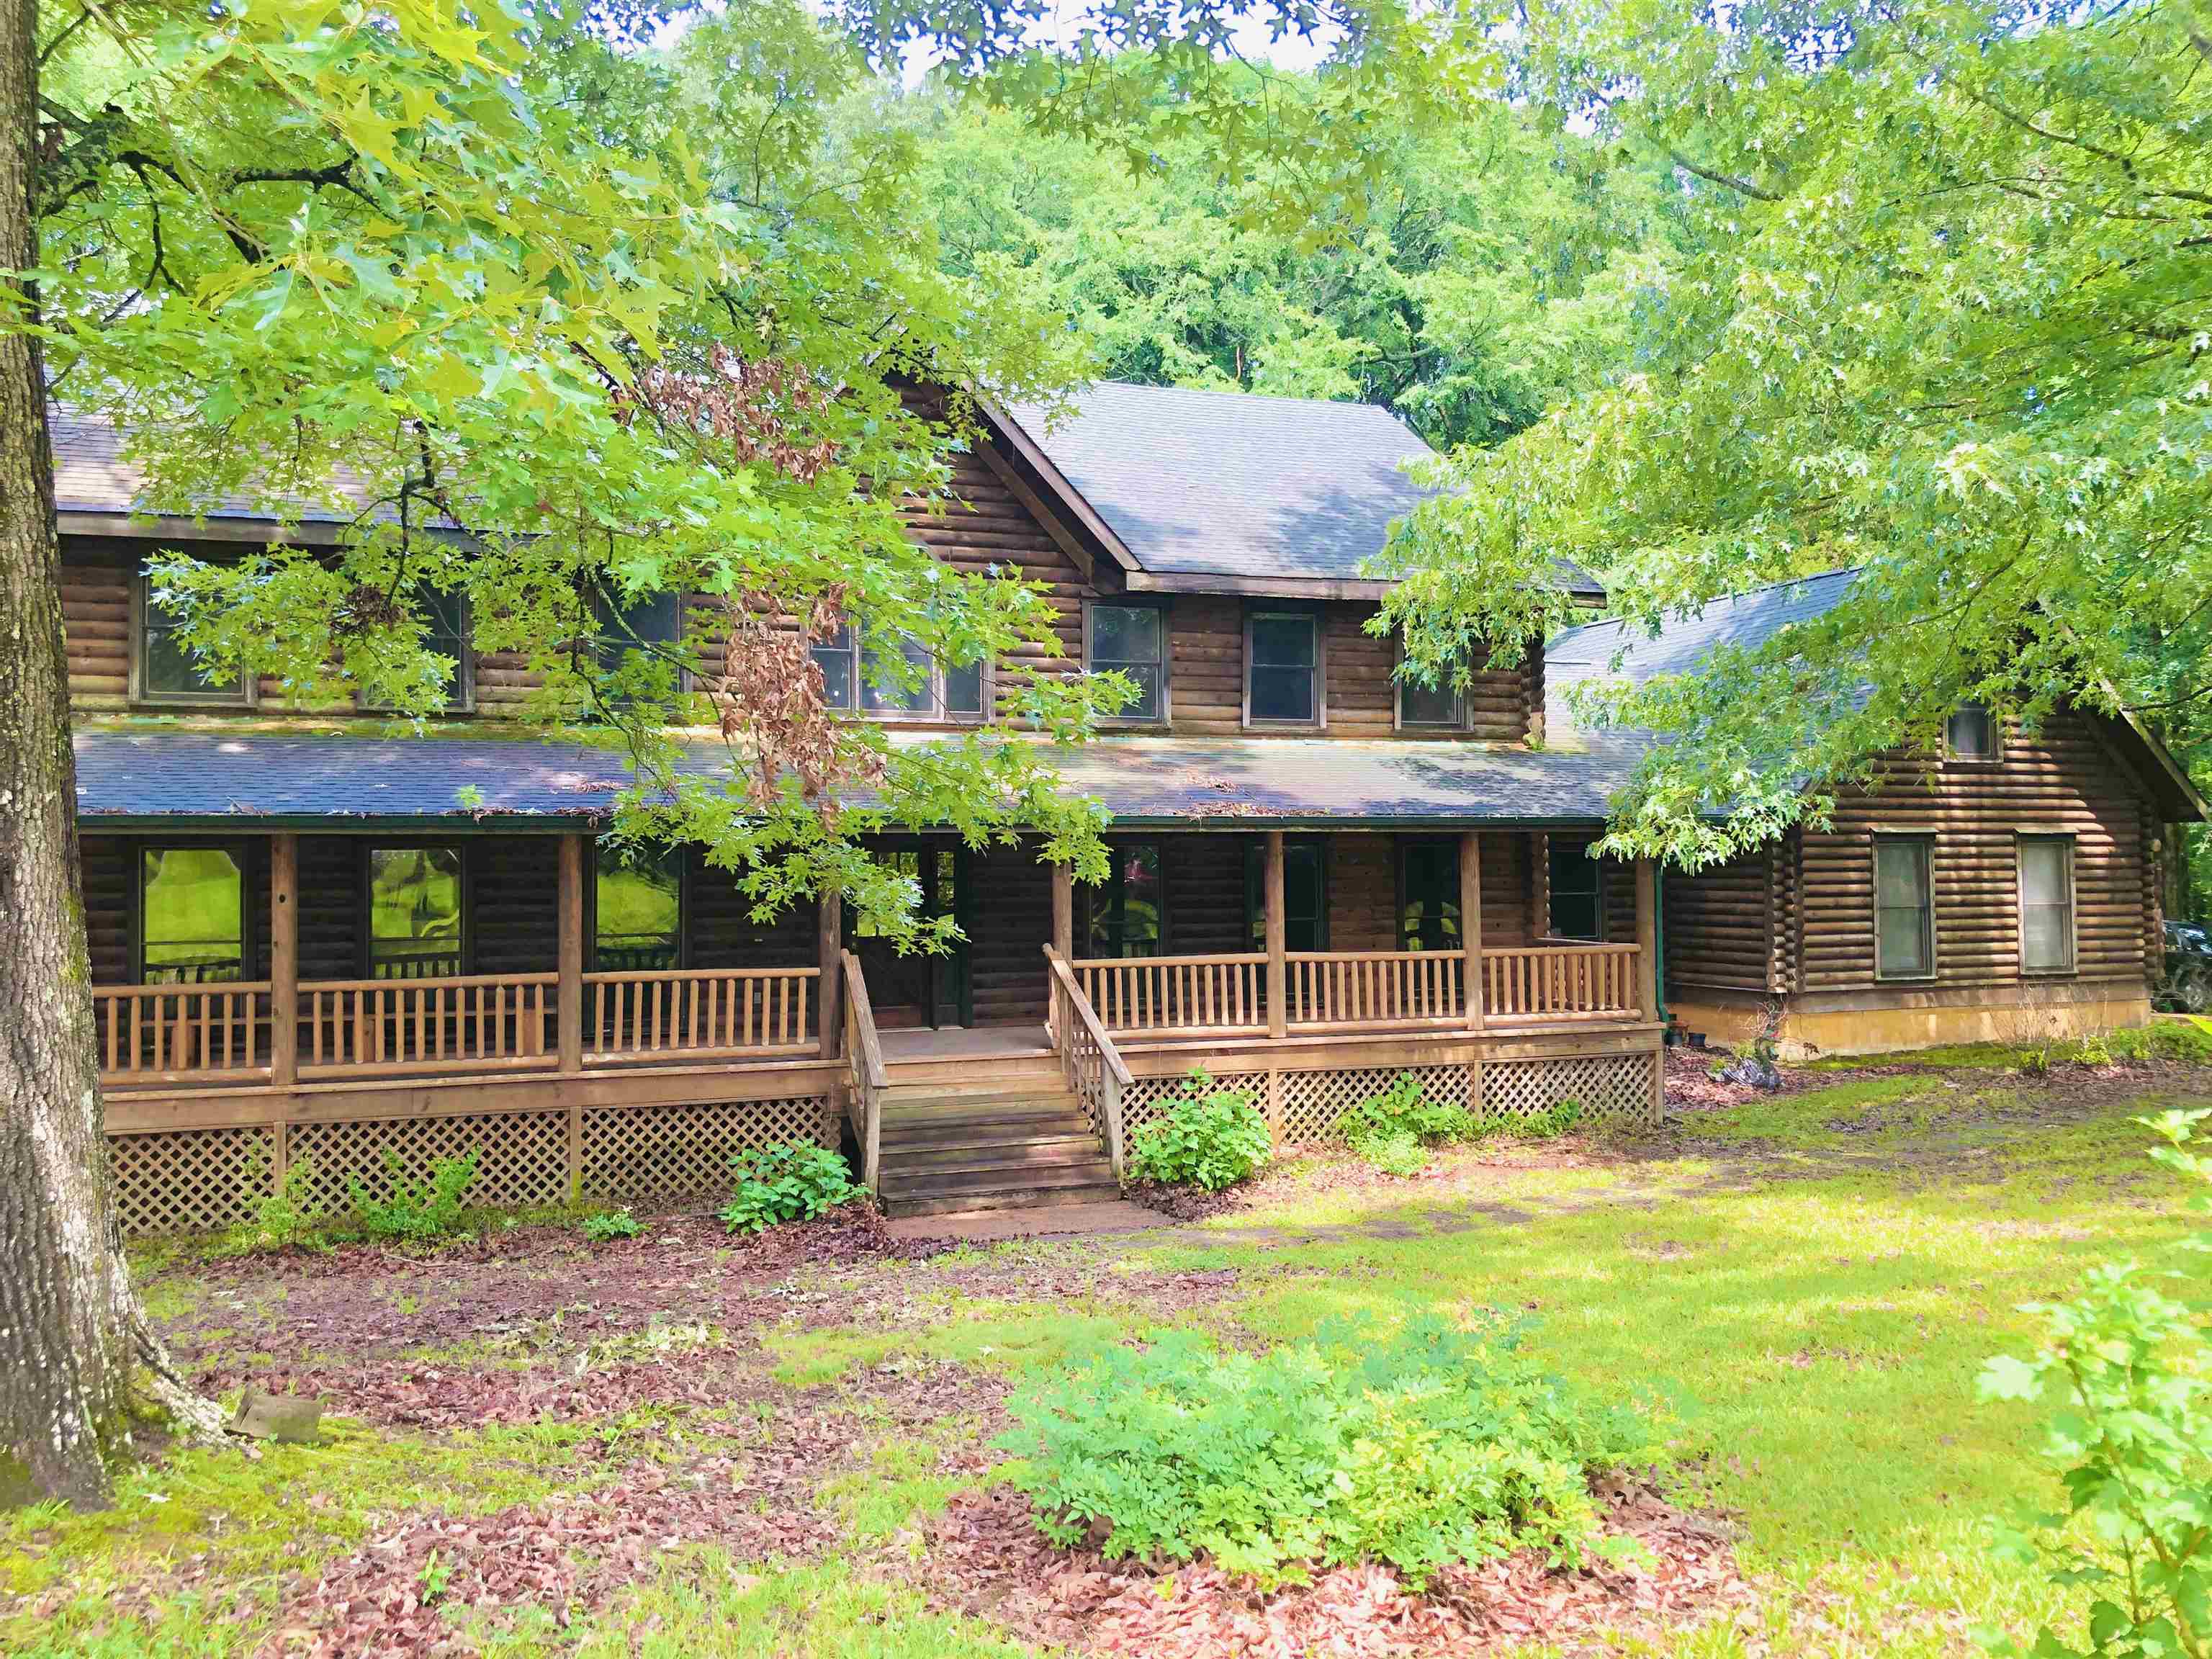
x=1810, y=1282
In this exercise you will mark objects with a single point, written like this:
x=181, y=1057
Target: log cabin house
x=2006, y=890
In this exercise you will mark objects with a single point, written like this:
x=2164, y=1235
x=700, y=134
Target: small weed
x=413, y=1210
x=604, y=1226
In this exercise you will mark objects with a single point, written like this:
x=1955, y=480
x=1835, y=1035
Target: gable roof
x=1751, y=619
x=1195, y=486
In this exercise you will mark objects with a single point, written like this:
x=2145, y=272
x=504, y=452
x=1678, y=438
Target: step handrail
x=1087, y=1055
x=864, y=1051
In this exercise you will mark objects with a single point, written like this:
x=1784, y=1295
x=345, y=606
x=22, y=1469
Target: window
x=626, y=628
x=192, y=916
x=415, y=909
x=167, y=671
x=1428, y=895
x=445, y=630
x=1282, y=674
x=1904, y=915
x=1970, y=734
x=1577, y=886
x=637, y=911
x=1433, y=706
x=940, y=693
x=1305, y=895
x=1125, y=912
x=1131, y=640
x=2046, y=904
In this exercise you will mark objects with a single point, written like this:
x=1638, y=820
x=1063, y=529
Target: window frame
x=243, y=854
x=1255, y=891
x=1448, y=901
x=684, y=899
x=464, y=700
x=1925, y=841
x=1461, y=724
x=246, y=694
x=2067, y=843
x=935, y=715
x=1314, y=620
x=1115, y=890
x=365, y=906
x=607, y=606
x=1996, y=756
x=1160, y=611
x=1598, y=895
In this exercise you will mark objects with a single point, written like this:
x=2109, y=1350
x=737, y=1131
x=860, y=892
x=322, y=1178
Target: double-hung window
x=1131, y=640
x=1971, y=733
x=168, y=669
x=192, y=916
x=1904, y=907
x=1577, y=889
x=937, y=692
x=416, y=911
x=1125, y=911
x=1428, y=895
x=2046, y=904
x=1438, y=707
x=446, y=631
x=1283, y=669
x=1305, y=895
x=637, y=911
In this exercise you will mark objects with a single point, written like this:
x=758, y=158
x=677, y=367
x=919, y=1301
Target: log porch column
x=1647, y=939
x=1470, y=922
x=1278, y=978
x=1063, y=910
x=829, y=946
x=284, y=960
x=571, y=990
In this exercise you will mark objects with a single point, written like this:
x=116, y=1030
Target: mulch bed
x=1186, y=1203
x=986, y=1557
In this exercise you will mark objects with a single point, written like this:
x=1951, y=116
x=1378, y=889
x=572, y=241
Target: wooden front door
x=915, y=988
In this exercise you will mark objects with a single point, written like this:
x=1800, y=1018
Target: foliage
x=2186, y=1040
x=289, y=1218
x=1416, y=1447
x=1560, y=1117
x=1400, y=1156
x=604, y=1226
x=416, y=1210
x=2130, y=1368
x=1204, y=1137
x=1403, y=1111
x=786, y=1181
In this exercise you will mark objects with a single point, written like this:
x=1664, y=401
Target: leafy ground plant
x=1390, y=1128
x=288, y=1218
x=786, y=1181
x=604, y=1226
x=1418, y=1447
x=414, y=1210
x=2131, y=1369
x=1207, y=1137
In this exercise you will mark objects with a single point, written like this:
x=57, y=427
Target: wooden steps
x=1007, y=1137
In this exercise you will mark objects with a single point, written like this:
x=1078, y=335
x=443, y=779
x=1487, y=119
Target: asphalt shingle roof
x=141, y=776
x=1745, y=620
x=92, y=474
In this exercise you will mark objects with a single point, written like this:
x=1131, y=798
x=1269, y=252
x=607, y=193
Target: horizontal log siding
x=1720, y=925
x=96, y=574
x=1204, y=879
x=2064, y=780
x=1009, y=922
x=720, y=933
x=1362, y=893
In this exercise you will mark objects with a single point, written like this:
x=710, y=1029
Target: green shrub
x=604, y=1227
x=2186, y=1040
x=788, y=1180
x=1400, y=1156
x=1416, y=1448
x=288, y=1218
x=2132, y=1435
x=1207, y=1137
x=1553, y=1122
x=414, y=1210
x=1401, y=1111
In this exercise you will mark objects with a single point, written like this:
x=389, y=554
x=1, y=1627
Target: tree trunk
x=71, y=1325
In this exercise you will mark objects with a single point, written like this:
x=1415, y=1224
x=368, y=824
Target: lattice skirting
x=187, y=1180
x=663, y=1154
x=1313, y=1101
x=1147, y=1098
x=1615, y=1086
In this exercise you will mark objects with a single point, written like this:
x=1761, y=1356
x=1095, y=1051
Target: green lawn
x=1811, y=1283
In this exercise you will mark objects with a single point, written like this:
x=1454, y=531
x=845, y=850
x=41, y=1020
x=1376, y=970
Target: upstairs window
x=648, y=625
x=167, y=671
x=637, y=911
x=1970, y=734
x=1125, y=911
x=2046, y=904
x=938, y=692
x=1428, y=895
x=1305, y=895
x=415, y=911
x=192, y=916
x=1131, y=640
x=445, y=630
x=1282, y=669
x=1904, y=908
x=1439, y=707
x=1577, y=886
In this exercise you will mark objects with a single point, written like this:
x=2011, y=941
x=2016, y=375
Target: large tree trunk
x=71, y=1325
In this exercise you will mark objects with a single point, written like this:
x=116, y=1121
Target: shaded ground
x=690, y=1444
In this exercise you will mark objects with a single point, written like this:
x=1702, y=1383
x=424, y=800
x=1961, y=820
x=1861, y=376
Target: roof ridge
x=1681, y=613
x=1383, y=410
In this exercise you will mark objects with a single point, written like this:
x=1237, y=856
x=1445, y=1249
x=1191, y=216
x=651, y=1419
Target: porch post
x=284, y=960
x=1279, y=978
x=1470, y=922
x=571, y=992
x=829, y=946
x=1647, y=939
x=1063, y=910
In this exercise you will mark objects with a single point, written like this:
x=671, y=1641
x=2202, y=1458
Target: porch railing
x=151, y=1032
x=479, y=1022
x=1560, y=981
x=867, y=1080
x=1146, y=996
x=1095, y=1070
x=698, y=1013
x=1343, y=990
